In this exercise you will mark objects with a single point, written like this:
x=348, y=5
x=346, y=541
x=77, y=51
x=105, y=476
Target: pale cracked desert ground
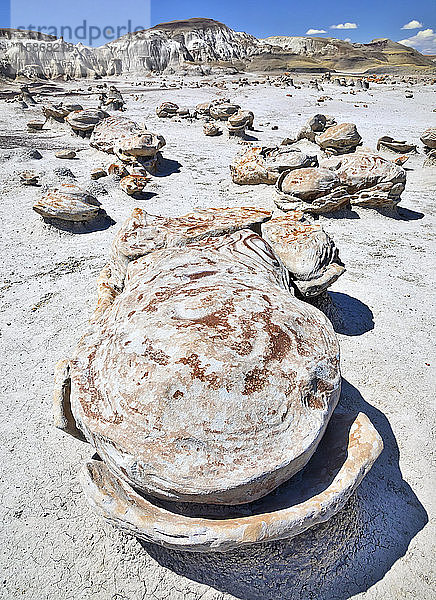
x=381, y=546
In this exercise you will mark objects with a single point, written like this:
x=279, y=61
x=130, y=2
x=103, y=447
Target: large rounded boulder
x=205, y=380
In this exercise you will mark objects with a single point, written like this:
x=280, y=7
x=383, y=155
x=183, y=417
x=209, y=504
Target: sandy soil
x=380, y=546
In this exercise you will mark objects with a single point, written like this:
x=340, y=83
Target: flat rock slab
x=346, y=453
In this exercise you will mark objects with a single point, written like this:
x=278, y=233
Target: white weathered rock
x=428, y=138
x=264, y=165
x=339, y=139
x=142, y=145
x=112, y=130
x=371, y=180
x=311, y=190
x=66, y=154
x=222, y=111
x=182, y=330
x=306, y=251
x=68, y=202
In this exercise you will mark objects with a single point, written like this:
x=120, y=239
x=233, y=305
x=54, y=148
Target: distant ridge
x=194, y=44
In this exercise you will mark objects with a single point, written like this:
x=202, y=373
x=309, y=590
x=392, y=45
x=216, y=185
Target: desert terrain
x=381, y=546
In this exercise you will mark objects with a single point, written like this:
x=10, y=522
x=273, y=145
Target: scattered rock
x=372, y=181
x=117, y=170
x=312, y=190
x=111, y=131
x=66, y=154
x=167, y=110
x=84, y=121
x=98, y=173
x=29, y=178
x=306, y=251
x=428, y=138
x=133, y=184
x=210, y=129
x=35, y=125
x=389, y=143
x=221, y=112
x=68, y=202
x=430, y=160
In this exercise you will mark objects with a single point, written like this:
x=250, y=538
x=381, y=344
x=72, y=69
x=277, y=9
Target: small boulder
x=66, y=154
x=339, y=139
x=68, y=202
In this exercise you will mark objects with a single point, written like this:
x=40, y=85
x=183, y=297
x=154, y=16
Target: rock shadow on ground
x=335, y=560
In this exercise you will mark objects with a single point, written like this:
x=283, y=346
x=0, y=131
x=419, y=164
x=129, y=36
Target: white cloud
x=344, y=26
x=424, y=41
x=414, y=24
x=425, y=33
x=347, y=40
x=314, y=31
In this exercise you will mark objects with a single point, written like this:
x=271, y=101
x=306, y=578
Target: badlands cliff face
x=340, y=55
x=170, y=45
x=193, y=44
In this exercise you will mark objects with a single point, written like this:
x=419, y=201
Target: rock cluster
x=332, y=137
x=137, y=148
x=359, y=179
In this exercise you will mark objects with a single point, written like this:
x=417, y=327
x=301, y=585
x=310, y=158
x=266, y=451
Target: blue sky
x=358, y=21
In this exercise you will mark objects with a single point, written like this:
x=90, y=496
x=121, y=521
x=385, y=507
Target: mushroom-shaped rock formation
x=311, y=190
x=371, y=180
x=264, y=165
x=195, y=313
x=306, y=251
x=68, y=202
x=221, y=112
x=142, y=145
x=240, y=121
x=111, y=131
x=84, y=121
x=133, y=184
x=428, y=138
x=388, y=143
x=316, y=124
x=167, y=110
x=339, y=139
